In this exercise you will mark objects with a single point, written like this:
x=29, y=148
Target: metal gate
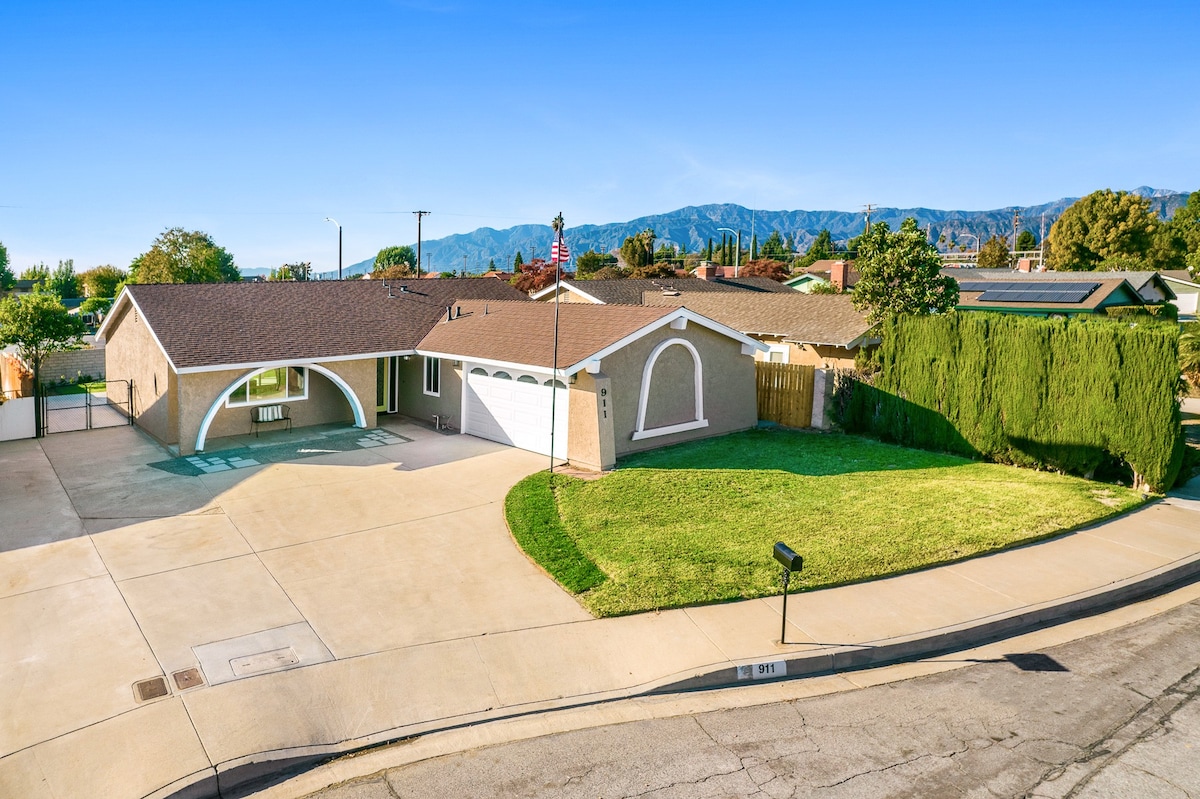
x=85, y=407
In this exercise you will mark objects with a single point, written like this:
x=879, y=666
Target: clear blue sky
x=254, y=121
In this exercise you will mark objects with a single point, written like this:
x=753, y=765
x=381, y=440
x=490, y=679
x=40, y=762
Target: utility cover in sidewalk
x=145, y=690
x=280, y=649
x=188, y=678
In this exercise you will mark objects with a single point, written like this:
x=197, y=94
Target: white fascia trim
x=537, y=295
x=1189, y=283
x=223, y=367
x=521, y=367
x=102, y=331
x=666, y=431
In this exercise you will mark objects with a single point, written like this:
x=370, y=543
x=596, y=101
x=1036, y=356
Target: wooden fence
x=785, y=393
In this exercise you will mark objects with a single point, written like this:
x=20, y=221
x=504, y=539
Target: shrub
x=1069, y=395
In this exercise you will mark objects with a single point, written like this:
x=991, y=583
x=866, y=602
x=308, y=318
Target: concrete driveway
x=113, y=572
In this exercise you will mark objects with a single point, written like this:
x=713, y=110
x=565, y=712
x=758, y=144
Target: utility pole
x=419, y=214
x=1016, y=226
x=869, y=208
x=464, y=271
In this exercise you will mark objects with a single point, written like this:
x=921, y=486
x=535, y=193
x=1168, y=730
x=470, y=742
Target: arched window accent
x=555, y=383
x=699, y=421
x=502, y=376
x=527, y=379
x=479, y=370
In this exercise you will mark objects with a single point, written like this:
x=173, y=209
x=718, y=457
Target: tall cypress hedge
x=1060, y=394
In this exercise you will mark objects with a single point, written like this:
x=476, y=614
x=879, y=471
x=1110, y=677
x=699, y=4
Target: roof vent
x=457, y=311
x=403, y=288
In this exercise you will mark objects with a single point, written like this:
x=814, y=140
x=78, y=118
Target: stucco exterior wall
x=412, y=399
x=820, y=356
x=131, y=353
x=590, y=440
x=730, y=401
x=325, y=403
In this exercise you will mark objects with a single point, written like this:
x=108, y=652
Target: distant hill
x=693, y=226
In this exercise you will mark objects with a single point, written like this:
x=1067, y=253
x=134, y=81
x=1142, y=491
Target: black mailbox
x=790, y=560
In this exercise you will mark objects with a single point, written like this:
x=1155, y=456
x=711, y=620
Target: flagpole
x=558, y=225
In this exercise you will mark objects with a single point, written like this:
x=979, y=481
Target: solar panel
x=1031, y=291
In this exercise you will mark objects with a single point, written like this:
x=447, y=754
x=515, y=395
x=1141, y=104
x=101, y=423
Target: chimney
x=1024, y=264
x=707, y=271
x=837, y=275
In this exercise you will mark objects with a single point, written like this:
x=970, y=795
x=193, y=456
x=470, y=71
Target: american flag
x=558, y=251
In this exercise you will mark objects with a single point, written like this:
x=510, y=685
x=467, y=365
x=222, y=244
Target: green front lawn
x=95, y=387
x=696, y=523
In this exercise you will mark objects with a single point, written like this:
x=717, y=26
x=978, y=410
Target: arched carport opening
x=360, y=417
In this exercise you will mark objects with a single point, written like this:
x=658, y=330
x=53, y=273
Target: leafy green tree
x=301, y=270
x=102, y=281
x=1106, y=224
x=653, y=270
x=610, y=273
x=822, y=247
x=38, y=324
x=590, y=263
x=1026, y=241
x=994, y=254
x=900, y=273
x=822, y=287
x=666, y=252
x=753, y=246
x=7, y=279
x=38, y=273
x=63, y=280
x=1186, y=223
x=638, y=251
x=789, y=245
x=389, y=257
x=518, y=262
x=96, y=305
x=183, y=256
x=1189, y=352
x=709, y=254
x=491, y=265
x=774, y=248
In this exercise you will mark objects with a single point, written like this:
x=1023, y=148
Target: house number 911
x=763, y=671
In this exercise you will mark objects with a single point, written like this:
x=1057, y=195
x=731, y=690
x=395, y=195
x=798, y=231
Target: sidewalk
x=259, y=723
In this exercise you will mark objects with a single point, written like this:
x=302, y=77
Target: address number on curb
x=763, y=671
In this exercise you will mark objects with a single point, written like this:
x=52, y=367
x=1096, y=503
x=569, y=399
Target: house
x=1186, y=288
x=841, y=274
x=819, y=330
x=1053, y=299
x=1151, y=287
x=630, y=291
x=202, y=357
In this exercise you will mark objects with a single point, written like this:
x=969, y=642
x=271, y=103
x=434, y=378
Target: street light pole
x=339, y=227
x=419, y=214
x=737, y=255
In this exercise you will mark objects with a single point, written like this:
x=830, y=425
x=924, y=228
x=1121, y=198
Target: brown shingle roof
x=214, y=324
x=523, y=332
x=629, y=291
x=798, y=317
x=969, y=300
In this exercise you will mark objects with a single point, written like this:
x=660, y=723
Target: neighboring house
x=805, y=281
x=1186, y=288
x=1047, y=298
x=841, y=274
x=814, y=329
x=201, y=357
x=1150, y=286
x=630, y=291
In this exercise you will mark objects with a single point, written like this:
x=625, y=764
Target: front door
x=386, y=384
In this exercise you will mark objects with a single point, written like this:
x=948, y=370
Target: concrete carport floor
x=386, y=560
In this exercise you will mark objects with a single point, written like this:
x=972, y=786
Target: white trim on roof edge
x=537, y=295
x=101, y=332
x=225, y=367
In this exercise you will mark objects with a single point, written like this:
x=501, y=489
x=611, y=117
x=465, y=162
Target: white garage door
x=513, y=407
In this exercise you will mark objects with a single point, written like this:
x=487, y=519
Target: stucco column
x=591, y=443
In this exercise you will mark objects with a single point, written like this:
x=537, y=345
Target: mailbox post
x=791, y=562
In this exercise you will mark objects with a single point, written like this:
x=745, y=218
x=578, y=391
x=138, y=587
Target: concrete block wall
x=71, y=362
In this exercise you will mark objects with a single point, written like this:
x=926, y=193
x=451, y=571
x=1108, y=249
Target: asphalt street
x=1113, y=715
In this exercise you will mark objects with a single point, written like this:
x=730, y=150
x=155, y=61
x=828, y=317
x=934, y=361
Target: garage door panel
x=517, y=412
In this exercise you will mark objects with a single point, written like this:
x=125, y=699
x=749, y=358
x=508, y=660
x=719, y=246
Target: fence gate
x=107, y=403
x=785, y=393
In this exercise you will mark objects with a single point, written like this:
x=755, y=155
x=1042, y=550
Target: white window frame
x=784, y=349
x=432, y=388
x=231, y=403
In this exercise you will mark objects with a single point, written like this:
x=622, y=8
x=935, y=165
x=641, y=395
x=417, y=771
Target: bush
x=1070, y=395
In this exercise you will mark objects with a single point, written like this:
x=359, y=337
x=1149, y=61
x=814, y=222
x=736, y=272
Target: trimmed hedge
x=1062, y=394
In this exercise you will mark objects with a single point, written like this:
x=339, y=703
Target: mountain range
x=692, y=227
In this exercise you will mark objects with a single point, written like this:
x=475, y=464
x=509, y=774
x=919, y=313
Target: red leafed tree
x=764, y=267
x=534, y=276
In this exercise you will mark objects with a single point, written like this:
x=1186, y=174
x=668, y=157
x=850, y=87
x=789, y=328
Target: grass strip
x=532, y=514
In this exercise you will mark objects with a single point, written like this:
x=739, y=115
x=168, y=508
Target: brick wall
x=71, y=362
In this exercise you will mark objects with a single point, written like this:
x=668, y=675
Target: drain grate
x=145, y=690
x=188, y=678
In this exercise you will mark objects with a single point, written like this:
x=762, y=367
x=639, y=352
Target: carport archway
x=360, y=417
